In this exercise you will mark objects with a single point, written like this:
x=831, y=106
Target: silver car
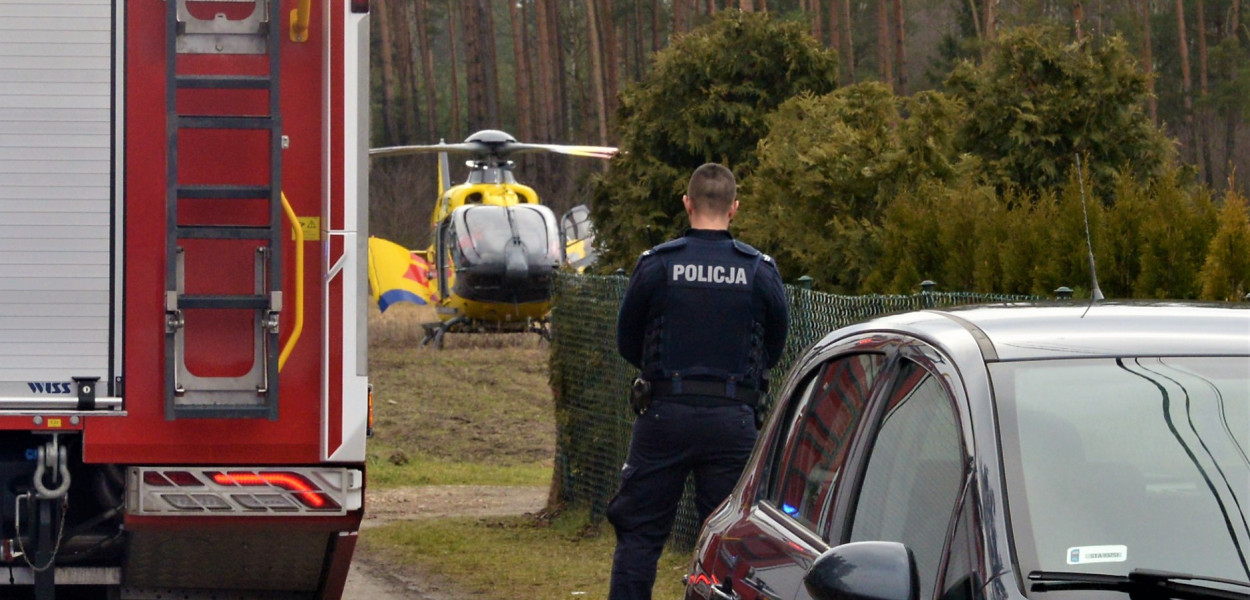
x=1061, y=451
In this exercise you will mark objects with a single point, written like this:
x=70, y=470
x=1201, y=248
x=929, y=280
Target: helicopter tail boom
x=444, y=173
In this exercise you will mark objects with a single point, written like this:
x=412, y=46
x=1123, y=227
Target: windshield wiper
x=1147, y=582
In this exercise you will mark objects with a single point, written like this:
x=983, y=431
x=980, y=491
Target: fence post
x=803, y=306
x=926, y=292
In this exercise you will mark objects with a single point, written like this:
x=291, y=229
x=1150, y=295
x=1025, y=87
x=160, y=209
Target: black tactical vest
x=707, y=328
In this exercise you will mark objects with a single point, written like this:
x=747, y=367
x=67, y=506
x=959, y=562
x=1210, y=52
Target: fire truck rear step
x=211, y=394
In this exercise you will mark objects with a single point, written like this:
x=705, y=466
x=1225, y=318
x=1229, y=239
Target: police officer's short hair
x=712, y=188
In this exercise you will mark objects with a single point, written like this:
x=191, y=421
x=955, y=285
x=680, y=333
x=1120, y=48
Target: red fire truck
x=183, y=211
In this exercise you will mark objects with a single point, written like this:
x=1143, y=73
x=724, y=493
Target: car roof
x=1075, y=329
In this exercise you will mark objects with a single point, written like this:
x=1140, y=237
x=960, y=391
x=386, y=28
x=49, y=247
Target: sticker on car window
x=1083, y=555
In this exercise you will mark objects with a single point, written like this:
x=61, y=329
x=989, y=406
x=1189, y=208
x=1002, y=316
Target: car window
x=961, y=581
x=819, y=436
x=914, y=472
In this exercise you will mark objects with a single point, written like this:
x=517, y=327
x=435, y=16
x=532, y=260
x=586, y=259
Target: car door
x=911, y=475
x=773, y=547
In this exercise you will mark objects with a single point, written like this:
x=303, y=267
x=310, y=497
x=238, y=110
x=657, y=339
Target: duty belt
x=748, y=396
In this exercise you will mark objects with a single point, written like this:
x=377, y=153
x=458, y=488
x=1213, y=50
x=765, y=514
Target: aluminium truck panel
x=59, y=219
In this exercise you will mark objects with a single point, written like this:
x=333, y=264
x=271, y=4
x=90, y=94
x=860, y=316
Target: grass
x=516, y=557
x=479, y=412
x=430, y=471
x=476, y=413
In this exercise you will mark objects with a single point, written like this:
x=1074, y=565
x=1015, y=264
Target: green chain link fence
x=590, y=380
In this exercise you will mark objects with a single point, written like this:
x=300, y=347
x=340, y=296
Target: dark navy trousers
x=669, y=442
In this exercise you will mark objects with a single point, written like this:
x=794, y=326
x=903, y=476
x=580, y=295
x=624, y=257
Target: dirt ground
x=373, y=579
x=438, y=501
x=484, y=399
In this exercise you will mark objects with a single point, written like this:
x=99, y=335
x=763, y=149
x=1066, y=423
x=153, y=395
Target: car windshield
x=1119, y=464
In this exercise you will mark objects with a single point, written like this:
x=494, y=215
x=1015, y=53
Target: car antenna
x=1095, y=293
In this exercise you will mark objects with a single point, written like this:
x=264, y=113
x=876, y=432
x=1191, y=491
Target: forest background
x=877, y=143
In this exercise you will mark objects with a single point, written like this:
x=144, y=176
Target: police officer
x=704, y=318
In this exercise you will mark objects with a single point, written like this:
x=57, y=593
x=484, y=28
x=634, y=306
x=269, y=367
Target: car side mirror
x=864, y=571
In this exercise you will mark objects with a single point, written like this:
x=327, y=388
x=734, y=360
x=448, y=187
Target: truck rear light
x=183, y=478
x=171, y=478
x=300, y=490
x=153, y=478
x=369, y=421
x=303, y=489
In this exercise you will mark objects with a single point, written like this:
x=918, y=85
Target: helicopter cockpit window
x=449, y=242
x=488, y=230
x=537, y=229
x=576, y=223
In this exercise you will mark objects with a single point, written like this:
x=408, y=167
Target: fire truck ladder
x=253, y=394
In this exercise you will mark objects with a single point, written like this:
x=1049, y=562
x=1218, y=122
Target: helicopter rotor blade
x=468, y=147
x=604, y=152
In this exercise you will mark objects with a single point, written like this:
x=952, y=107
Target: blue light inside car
x=790, y=510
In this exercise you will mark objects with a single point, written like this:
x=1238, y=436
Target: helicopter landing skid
x=435, y=332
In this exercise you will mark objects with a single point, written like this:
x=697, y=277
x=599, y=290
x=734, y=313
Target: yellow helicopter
x=494, y=249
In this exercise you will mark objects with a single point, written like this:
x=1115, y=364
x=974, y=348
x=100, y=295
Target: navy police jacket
x=704, y=307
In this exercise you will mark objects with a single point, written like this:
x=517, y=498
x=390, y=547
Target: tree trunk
x=521, y=70
x=900, y=51
x=1202, y=49
x=546, y=97
x=813, y=9
x=389, y=101
x=1186, y=85
x=989, y=22
x=835, y=33
x=612, y=64
x=1204, y=146
x=655, y=25
x=474, y=69
x=884, y=61
x=455, y=75
x=1148, y=63
x=1234, y=18
x=746, y=6
x=1230, y=117
x=421, y=18
x=1078, y=18
x=404, y=71
x=847, y=41
x=636, y=42
x=976, y=23
x=596, y=69
x=490, y=61
x=482, y=79
x=560, y=89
